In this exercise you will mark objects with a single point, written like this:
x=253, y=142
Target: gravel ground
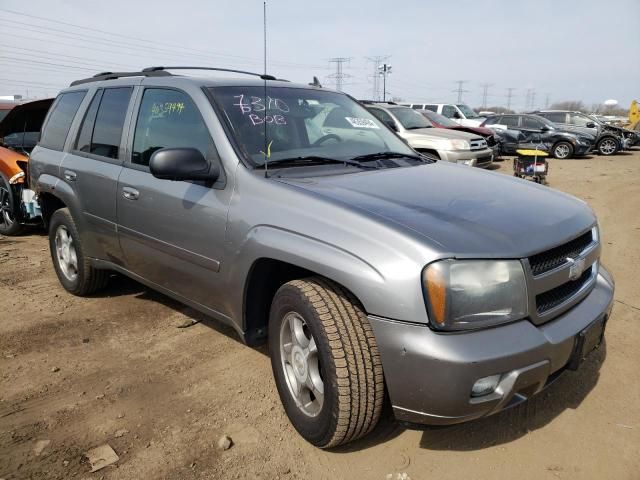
x=77, y=373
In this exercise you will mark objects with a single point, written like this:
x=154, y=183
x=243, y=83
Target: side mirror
x=544, y=128
x=182, y=164
x=591, y=125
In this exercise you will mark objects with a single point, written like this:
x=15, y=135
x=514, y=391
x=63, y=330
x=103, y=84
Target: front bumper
x=430, y=375
x=474, y=158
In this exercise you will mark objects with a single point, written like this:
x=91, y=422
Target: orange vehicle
x=19, y=133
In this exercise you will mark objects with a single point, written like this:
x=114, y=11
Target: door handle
x=70, y=176
x=130, y=193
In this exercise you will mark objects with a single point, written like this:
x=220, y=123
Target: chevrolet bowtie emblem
x=576, y=268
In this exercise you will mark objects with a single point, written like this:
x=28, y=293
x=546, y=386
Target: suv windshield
x=468, y=113
x=302, y=122
x=410, y=119
x=439, y=119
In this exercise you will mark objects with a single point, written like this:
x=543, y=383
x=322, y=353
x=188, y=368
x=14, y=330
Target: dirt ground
x=117, y=369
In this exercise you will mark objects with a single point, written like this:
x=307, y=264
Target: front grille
x=483, y=161
x=478, y=144
x=556, y=296
x=556, y=257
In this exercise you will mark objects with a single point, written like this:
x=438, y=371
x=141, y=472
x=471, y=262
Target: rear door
x=172, y=232
x=93, y=166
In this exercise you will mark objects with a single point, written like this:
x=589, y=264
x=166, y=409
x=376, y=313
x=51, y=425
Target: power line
x=509, y=97
x=377, y=61
x=485, y=94
x=460, y=90
x=155, y=43
x=339, y=76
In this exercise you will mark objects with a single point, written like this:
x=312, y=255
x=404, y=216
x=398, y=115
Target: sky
x=559, y=50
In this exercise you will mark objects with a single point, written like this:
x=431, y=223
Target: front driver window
x=168, y=118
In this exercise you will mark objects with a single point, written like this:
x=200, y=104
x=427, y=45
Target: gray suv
x=366, y=267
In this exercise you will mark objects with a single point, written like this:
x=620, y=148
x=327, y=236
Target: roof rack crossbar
x=230, y=70
x=113, y=75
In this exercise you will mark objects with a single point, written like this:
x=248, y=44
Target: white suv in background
x=459, y=113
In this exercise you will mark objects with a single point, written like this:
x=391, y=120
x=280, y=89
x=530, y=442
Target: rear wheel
x=325, y=362
x=562, y=150
x=8, y=209
x=74, y=270
x=608, y=146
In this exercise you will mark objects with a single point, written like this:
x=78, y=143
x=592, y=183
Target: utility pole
x=384, y=70
x=339, y=76
x=377, y=61
x=509, y=97
x=485, y=94
x=460, y=90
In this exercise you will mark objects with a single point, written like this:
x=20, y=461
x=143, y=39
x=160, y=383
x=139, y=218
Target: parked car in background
x=450, y=145
x=19, y=132
x=458, y=112
x=532, y=129
x=372, y=272
x=609, y=139
x=440, y=121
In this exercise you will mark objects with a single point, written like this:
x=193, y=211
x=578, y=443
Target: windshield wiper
x=385, y=155
x=313, y=160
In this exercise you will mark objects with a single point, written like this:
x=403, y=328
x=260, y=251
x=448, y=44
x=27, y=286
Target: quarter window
x=102, y=126
x=556, y=117
x=62, y=113
x=168, y=118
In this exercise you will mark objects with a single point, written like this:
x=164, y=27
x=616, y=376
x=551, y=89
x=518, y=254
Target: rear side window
x=510, y=121
x=383, y=116
x=57, y=128
x=102, y=126
x=169, y=118
x=556, y=117
x=417, y=106
x=433, y=108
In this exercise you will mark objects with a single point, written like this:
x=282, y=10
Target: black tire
x=87, y=279
x=608, y=146
x=9, y=225
x=348, y=357
x=562, y=150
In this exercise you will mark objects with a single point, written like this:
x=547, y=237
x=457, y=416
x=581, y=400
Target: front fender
x=354, y=273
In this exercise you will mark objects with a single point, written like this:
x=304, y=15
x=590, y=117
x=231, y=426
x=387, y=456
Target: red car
x=440, y=121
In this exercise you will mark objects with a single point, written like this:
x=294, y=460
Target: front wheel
x=607, y=146
x=562, y=150
x=325, y=362
x=8, y=219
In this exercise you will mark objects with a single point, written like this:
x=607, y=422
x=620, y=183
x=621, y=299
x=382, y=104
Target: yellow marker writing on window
x=268, y=154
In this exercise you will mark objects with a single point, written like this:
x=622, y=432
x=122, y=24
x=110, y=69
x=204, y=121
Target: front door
x=172, y=232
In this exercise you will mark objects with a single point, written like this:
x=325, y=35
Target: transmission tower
x=339, y=76
x=485, y=94
x=377, y=61
x=530, y=99
x=509, y=97
x=460, y=90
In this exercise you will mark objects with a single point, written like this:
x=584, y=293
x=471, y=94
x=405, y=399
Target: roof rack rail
x=162, y=72
x=113, y=75
x=371, y=102
x=230, y=70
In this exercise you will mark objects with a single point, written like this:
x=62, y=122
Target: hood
x=459, y=210
x=471, y=122
x=26, y=117
x=483, y=131
x=440, y=133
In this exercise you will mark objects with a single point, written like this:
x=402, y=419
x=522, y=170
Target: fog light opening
x=485, y=386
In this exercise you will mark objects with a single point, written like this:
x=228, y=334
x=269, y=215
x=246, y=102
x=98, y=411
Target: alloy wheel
x=562, y=151
x=607, y=146
x=301, y=364
x=66, y=253
x=7, y=218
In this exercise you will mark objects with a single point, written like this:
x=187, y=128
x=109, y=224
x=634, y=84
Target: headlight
x=470, y=294
x=457, y=145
